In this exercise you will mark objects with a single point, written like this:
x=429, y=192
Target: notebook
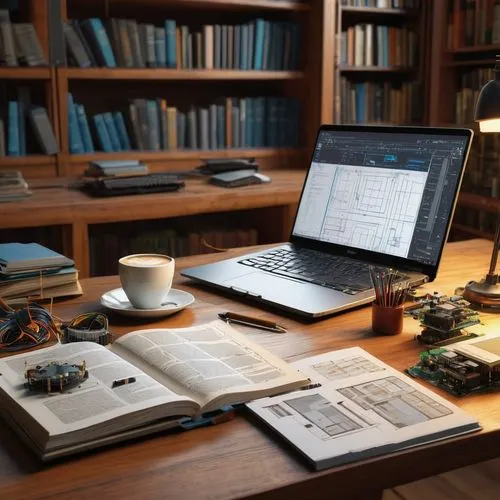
x=373, y=195
x=25, y=257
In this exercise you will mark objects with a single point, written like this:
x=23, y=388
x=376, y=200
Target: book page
x=92, y=401
x=208, y=362
x=362, y=408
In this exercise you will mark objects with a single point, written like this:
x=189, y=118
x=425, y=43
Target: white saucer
x=116, y=300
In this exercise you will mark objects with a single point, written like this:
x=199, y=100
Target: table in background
x=241, y=458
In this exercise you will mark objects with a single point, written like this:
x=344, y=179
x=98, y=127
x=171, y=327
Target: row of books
x=383, y=4
x=176, y=243
x=473, y=22
x=368, y=102
x=381, y=46
x=14, y=131
x=153, y=125
x=471, y=83
x=19, y=43
x=256, y=45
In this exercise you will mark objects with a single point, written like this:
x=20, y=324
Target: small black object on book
x=123, y=381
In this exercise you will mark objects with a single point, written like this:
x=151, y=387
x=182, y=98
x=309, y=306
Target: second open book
x=177, y=372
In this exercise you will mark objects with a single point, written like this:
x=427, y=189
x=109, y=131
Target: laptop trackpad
x=264, y=285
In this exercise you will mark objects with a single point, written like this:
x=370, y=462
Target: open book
x=361, y=408
x=178, y=373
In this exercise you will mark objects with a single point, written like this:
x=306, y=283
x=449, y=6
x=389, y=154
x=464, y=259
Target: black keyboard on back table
x=340, y=273
x=134, y=184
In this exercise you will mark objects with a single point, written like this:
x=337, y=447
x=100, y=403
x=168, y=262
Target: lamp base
x=484, y=293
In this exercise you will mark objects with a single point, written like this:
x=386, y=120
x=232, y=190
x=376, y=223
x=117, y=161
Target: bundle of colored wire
x=90, y=327
x=26, y=327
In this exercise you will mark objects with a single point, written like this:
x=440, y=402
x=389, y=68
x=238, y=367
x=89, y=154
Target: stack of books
x=13, y=186
x=30, y=270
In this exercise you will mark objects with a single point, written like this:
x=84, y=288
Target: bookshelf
x=379, y=62
x=102, y=89
x=462, y=55
x=35, y=78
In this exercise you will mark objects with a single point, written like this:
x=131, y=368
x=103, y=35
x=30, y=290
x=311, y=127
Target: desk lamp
x=487, y=291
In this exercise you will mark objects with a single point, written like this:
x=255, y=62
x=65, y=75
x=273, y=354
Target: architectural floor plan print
x=373, y=208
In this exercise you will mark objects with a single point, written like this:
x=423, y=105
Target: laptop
x=373, y=196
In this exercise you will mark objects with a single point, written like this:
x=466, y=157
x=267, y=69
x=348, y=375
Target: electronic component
x=88, y=327
x=55, y=376
x=454, y=372
x=443, y=319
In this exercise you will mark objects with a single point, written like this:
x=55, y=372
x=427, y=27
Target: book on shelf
x=472, y=22
x=383, y=4
x=256, y=45
x=20, y=45
x=375, y=102
x=360, y=408
x=18, y=139
x=176, y=376
x=151, y=125
x=378, y=46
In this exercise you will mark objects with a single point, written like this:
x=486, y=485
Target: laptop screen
x=386, y=191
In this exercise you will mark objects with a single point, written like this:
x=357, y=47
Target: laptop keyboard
x=340, y=273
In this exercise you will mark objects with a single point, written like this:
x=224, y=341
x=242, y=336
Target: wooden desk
x=241, y=458
x=53, y=203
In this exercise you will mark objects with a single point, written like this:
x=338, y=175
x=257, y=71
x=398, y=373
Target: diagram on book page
x=373, y=208
x=321, y=417
x=395, y=401
x=346, y=367
x=390, y=398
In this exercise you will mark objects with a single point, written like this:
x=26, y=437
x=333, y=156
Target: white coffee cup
x=146, y=278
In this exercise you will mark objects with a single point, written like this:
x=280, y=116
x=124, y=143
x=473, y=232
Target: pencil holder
x=387, y=320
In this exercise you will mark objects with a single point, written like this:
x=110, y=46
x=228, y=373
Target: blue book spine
x=244, y=47
x=112, y=132
x=153, y=125
x=181, y=130
x=273, y=108
x=122, y=131
x=75, y=138
x=102, y=134
x=13, y=146
x=360, y=102
x=250, y=125
x=259, y=44
x=160, y=48
x=171, y=43
x=81, y=114
x=102, y=40
x=221, y=126
x=294, y=57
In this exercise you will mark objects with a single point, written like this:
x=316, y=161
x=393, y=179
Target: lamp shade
x=487, y=111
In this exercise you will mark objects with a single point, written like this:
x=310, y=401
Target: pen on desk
x=241, y=319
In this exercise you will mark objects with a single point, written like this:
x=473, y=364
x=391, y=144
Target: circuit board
x=443, y=319
x=455, y=373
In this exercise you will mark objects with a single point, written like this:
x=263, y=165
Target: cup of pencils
x=390, y=294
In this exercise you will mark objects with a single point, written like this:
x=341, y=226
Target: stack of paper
x=13, y=186
x=32, y=270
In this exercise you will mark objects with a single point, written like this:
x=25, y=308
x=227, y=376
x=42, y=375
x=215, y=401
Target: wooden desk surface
x=241, y=458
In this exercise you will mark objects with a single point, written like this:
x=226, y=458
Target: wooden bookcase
x=456, y=52
x=348, y=72
x=40, y=79
x=273, y=208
